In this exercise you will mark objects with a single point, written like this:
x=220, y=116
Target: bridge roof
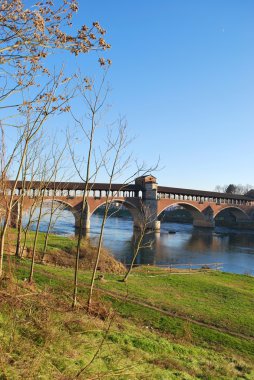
x=202, y=193
x=74, y=186
x=128, y=187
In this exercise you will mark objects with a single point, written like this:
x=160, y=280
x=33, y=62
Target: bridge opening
x=118, y=228
x=176, y=214
x=119, y=217
x=116, y=210
x=184, y=213
x=56, y=216
x=120, y=236
x=231, y=217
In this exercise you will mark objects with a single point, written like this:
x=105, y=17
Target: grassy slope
x=61, y=250
x=42, y=338
x=55, y=242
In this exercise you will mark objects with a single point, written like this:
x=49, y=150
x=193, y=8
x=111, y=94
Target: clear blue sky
x=183, y=75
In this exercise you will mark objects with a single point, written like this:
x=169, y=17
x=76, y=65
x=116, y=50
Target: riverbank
x=61, y=251
x=233, y=248
x=160, y=325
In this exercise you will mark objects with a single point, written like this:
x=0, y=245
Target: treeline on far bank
x=177, y=215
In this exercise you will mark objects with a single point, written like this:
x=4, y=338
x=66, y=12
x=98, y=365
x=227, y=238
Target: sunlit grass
x=42, y=337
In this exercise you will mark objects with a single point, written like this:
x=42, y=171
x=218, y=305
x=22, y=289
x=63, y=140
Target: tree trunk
x=35, y=241
x=18, y=244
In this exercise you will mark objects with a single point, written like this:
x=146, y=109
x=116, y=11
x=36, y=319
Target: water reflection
x=184, y=244
x=62, y=221
x=235, y=249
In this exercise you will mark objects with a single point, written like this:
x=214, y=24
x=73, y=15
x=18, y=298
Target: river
x=183, y=245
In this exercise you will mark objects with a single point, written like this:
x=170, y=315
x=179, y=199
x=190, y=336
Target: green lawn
x=222, y=299
x=40, y=344
x=129, y=335
x=55, y=242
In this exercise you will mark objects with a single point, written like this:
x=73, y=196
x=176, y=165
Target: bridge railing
x=202, y=199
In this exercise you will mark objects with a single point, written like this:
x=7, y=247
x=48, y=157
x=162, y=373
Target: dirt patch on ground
x=107, y=263
x=66, y=258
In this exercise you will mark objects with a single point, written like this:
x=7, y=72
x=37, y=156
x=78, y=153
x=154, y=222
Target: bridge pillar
x=149, y=205
x=85, y=223
x=207, y=221
x=15, y=212
x=203, y=223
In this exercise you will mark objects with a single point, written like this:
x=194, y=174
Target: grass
x=128, y=335
x=222, y=294
x=61, y=250
x=55, y=242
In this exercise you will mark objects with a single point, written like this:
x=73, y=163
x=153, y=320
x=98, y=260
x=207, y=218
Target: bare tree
x=234, y=189
x=28, y=171
x=93, y=100
x=220, y=189
x=58, y=155
x=143, y=229
x=27, y=36
x=35, y=119
x=48, y=172
x=3, y=179
x=117, y=144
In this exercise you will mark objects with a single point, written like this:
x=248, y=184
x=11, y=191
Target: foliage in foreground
x=43, y=338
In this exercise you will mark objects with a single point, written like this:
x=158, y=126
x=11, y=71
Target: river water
x=183, y=245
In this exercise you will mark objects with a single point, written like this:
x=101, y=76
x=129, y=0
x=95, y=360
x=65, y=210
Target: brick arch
x=67, y=205
x=75, y=210
x=238, y=212
x=195, y=211
x=133, y=209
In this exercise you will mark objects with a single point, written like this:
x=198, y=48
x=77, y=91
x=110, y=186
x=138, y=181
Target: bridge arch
x=133, y=209
x=194, y=211
x=238, y=213
x=67, y=206
x=60, y=204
